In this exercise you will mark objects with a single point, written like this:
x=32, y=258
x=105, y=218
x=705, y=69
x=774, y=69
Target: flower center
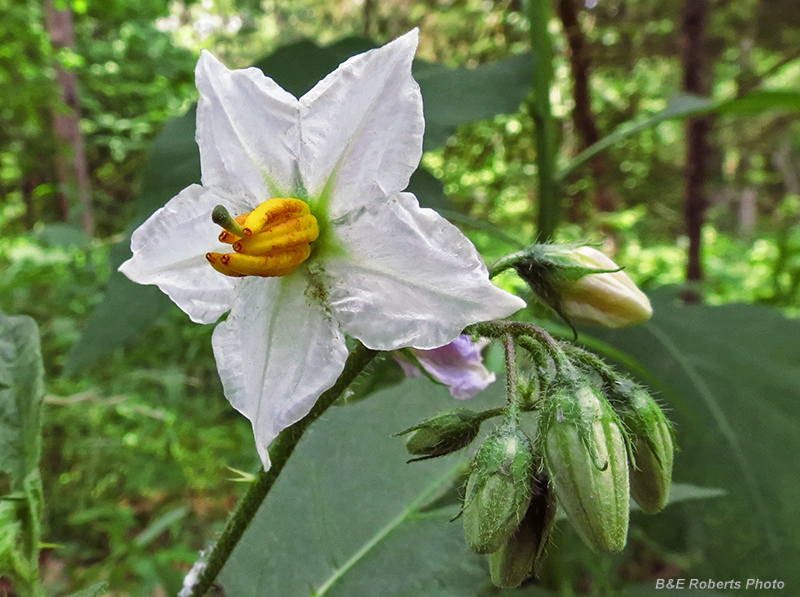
x=272, y=240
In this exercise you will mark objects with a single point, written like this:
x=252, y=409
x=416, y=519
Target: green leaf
x=159, y=525
x=736, y=368
x=683, y=106
x=456, y=96
x=762, y=100
x=383, y=372
x=680, y=492
x=21, y=398
x=429, y=190
x=451, y=96
x=297, y=67
x=680, y=106
x=95, y=590
x=346, y=516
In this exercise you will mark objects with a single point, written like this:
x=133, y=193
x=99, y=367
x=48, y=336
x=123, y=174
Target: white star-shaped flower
x=343, y=251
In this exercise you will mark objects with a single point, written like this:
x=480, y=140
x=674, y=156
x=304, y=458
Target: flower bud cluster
x=600, y=440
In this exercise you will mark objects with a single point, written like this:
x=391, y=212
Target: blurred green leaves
x=684, y=106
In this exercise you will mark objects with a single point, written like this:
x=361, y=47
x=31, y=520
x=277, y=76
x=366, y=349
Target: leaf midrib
x=387, y=529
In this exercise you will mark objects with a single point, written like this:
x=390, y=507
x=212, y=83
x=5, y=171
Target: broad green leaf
x=297, y=67
x=458, y=96
x=21, y=397
x=683, y=106
x=737, y=368
x=345, y=517
x=452, y=97
x=429, y=190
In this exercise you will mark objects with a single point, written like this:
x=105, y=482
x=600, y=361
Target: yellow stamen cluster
x=272, y=240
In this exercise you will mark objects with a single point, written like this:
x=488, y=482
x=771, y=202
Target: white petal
x=247, y=130
x=364, y=123
x=169, y=251
x=276, y=353
x=407, y=277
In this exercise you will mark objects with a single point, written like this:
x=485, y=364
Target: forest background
x=700, y=200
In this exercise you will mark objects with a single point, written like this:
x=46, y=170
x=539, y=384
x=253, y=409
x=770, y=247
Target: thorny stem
x=279, y=454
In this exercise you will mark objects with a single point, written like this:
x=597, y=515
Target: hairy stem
x=512, y=398
x=279, y=454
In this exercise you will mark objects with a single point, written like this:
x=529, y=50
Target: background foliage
x=138, y=440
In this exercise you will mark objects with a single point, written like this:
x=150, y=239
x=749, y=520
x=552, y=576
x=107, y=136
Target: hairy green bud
x=443, y=434
x=652, y=444
x=586, y=457
x=498, y=489
x=518, y=557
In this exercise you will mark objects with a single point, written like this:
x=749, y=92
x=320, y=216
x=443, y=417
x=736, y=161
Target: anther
x=287, y=233
x=216, y=261
x=277, y=263
x=272, y=211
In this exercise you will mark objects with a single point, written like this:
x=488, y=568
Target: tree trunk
x=73, y=172
x=582, y=115
x=695, y=80
x=368, y=15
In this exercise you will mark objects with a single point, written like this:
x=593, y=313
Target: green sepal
x=586, y=456
x=499, y=488
x=443, y=434
x=521, y=554
x=652, y=441
x=546, y=268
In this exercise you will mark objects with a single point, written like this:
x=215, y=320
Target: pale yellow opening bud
x=609, y=299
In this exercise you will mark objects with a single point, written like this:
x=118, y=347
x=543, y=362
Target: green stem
x=539, y=12
x=279, y=454
x=525, y=333
x=594, y=362
x=506, y=262
x=512, y=397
